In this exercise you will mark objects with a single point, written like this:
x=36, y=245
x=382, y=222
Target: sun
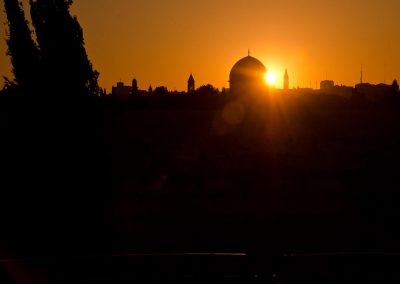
x=270, y=78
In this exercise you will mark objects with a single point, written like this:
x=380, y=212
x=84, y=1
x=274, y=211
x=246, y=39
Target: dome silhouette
x=247, y=76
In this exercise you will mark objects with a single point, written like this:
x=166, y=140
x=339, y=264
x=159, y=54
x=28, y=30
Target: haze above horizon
x=161, y=42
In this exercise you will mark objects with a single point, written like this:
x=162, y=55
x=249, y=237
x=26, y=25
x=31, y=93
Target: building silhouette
x=191, y=85
x=121, y=91
x=327, y=85
x=247, y=76
x=286, y=81
x=135, y=89
x=372, y=92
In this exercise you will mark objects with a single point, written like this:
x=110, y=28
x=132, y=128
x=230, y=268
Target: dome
x=247, y=75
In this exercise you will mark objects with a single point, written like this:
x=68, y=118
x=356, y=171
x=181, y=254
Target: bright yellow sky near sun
x=161, y=42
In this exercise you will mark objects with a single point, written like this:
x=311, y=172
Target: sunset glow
x=219, y=140
x=270, y=78
x=162, y=42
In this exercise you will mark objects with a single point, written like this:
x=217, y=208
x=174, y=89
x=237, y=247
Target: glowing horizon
x=162, y=42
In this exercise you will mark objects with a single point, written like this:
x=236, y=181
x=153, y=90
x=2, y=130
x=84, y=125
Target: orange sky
x=160, y=42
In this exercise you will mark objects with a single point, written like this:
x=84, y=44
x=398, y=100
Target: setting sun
x=270, y=78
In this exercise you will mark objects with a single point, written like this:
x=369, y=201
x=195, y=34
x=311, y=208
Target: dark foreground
x=203, y=268
x=268, y=177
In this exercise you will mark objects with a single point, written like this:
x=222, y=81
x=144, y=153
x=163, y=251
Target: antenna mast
x=361, y=78
x=384, y=73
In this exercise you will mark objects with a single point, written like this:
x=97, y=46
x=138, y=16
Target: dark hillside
x=287, y=174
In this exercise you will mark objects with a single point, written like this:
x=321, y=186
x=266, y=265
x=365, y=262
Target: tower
x=134, y=87
x=286, y=81
x=191, y=85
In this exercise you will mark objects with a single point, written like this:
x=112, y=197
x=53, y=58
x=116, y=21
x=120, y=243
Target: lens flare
x=270, y=78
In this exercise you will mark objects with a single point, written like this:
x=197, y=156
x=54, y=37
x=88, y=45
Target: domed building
x=248, y=76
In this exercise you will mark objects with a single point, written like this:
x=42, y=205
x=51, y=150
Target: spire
x=286, y=80
x=248, y=52
x=191, y=84
x=191, y=77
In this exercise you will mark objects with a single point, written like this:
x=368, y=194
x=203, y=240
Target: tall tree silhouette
x=67, y=67
x=22, y=49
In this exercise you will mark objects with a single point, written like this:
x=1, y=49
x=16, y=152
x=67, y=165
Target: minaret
x=286, y=81
x=191, y=85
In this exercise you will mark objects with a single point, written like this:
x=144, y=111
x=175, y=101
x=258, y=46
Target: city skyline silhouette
x=169, y=37
x=166, y=177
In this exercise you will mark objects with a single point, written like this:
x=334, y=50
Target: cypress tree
x=60, y=37
x=22, y=49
